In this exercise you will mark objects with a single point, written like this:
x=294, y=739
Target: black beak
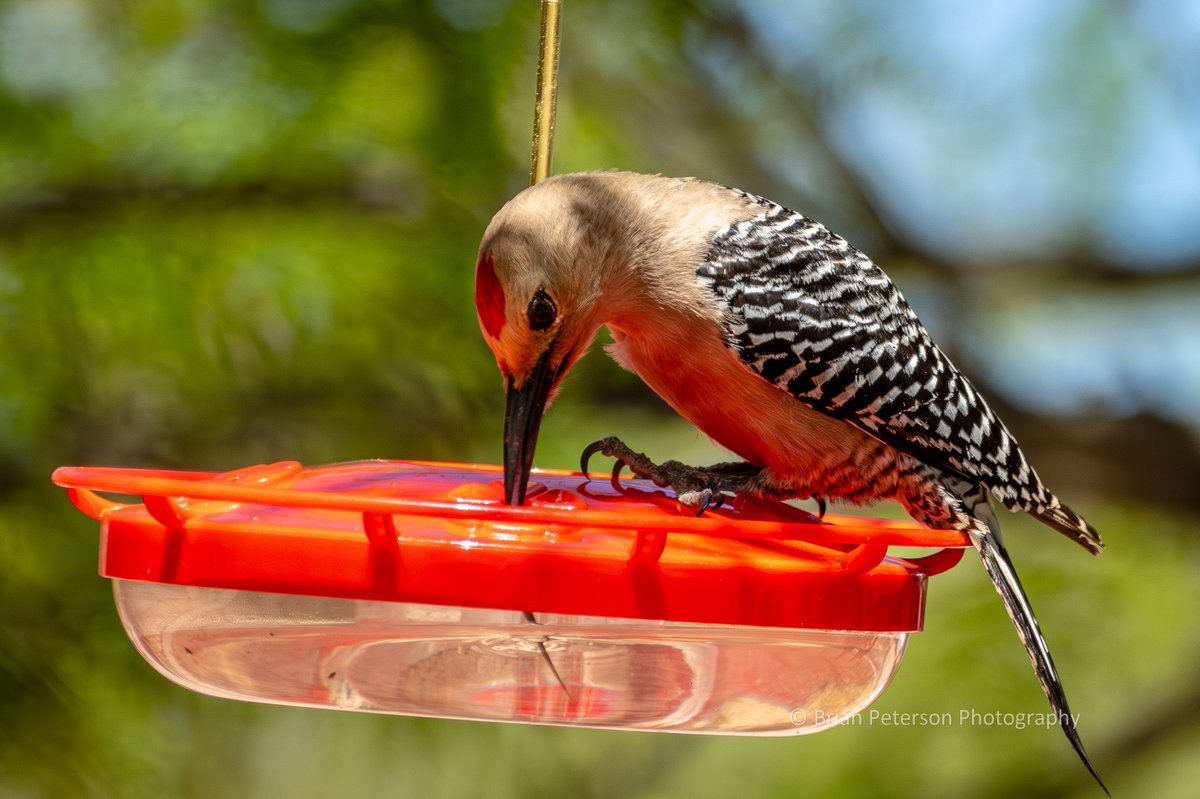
x=522, y=418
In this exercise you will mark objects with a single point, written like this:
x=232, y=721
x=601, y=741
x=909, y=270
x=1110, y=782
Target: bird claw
x=820, y=507
x=702, y=489
x=618, y=467
x=588, y=451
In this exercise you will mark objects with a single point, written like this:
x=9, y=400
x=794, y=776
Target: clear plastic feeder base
x=470, y=663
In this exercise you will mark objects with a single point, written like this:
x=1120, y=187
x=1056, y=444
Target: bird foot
x=699, y=488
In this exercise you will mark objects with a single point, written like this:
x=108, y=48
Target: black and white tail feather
x=985, y=535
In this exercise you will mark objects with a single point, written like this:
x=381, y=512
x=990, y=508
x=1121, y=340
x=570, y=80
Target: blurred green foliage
x=238, y=232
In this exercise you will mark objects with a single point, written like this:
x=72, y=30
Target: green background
x=234, y=233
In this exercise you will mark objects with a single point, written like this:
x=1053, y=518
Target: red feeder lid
x=439, y=533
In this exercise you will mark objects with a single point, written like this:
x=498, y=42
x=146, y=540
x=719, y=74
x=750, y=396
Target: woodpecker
x=776, y=338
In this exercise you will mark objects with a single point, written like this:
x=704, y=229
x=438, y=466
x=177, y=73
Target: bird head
x=539, y=301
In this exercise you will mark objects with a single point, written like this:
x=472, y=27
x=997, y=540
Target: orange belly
x=807, y=452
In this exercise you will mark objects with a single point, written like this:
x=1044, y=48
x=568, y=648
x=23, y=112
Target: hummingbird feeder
x=411, y=588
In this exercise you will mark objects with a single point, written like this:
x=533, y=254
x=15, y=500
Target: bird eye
x=542, y=311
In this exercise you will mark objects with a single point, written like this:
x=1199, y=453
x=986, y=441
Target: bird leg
x=696, y=487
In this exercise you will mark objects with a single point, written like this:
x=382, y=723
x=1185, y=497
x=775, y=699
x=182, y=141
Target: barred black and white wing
x=813, y=315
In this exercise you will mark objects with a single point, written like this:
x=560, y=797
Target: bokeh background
x=243, y=232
